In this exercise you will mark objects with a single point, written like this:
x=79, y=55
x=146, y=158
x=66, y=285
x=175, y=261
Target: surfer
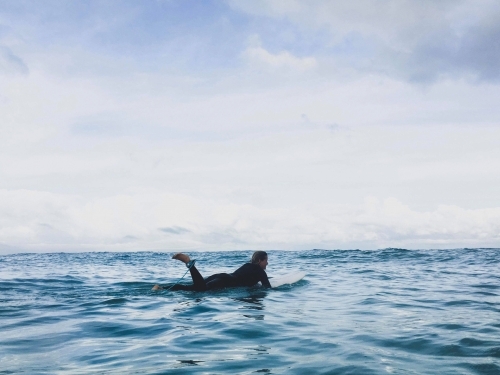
x=248, y=274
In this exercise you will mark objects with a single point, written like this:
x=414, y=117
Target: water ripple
x=356, y=312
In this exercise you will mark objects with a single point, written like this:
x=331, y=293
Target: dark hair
x=258, y=256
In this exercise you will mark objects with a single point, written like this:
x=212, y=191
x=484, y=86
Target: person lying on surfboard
x=248, y=274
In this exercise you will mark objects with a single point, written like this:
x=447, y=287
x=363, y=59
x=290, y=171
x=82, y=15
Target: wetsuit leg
x=198, y=281
x=219, y=280
x=181, y=287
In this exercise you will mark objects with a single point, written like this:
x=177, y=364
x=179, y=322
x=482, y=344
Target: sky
x=249, y=124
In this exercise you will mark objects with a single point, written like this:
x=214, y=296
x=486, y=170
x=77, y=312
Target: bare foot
x=157, y=287
x=182, y=257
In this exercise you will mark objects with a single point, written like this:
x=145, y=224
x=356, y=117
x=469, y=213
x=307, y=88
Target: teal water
x=356, y=312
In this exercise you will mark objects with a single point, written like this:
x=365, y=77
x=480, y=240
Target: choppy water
x=356, y=312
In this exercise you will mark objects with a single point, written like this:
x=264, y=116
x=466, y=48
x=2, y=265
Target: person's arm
x=264, y=280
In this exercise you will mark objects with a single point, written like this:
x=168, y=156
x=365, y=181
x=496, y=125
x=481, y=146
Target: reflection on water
x=188, y=362
x=253, y=301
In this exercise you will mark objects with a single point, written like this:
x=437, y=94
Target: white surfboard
x=289, y=278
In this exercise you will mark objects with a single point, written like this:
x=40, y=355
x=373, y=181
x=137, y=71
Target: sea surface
x=391, y=311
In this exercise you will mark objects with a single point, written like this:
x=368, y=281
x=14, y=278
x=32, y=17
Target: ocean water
x=390, y=311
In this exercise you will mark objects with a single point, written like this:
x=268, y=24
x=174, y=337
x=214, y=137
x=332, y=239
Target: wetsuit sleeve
x=264, y=280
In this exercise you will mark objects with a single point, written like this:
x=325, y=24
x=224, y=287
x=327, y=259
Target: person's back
x=250, y=274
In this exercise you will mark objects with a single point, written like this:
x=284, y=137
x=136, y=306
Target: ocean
x=390, y=311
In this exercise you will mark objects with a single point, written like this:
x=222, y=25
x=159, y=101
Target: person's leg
x=219, y=280
x=178, y=287
x=198, y=281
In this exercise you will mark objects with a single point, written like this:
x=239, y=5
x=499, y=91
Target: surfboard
x=289, y=278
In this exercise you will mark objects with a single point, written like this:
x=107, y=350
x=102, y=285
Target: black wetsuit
x=248, y=274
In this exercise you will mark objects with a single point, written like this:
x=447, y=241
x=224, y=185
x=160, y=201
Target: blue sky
x=214, y=125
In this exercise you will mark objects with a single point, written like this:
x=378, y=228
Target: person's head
x=260, y=258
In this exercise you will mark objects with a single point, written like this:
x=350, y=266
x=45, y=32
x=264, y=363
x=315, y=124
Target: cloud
x=419, y=41
x=390, y=221
x=479, y=51
x=53, y=222
x=175, y=230
x=256, y=55
x=10, y=63
x=310, y=188
x=153, y=128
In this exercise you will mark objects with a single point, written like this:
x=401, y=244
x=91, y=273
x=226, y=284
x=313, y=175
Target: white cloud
x=392, y=20
x=99, y=152
x=36, y=221
x=413, y=40
x=311, y=188
x=284, y=59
